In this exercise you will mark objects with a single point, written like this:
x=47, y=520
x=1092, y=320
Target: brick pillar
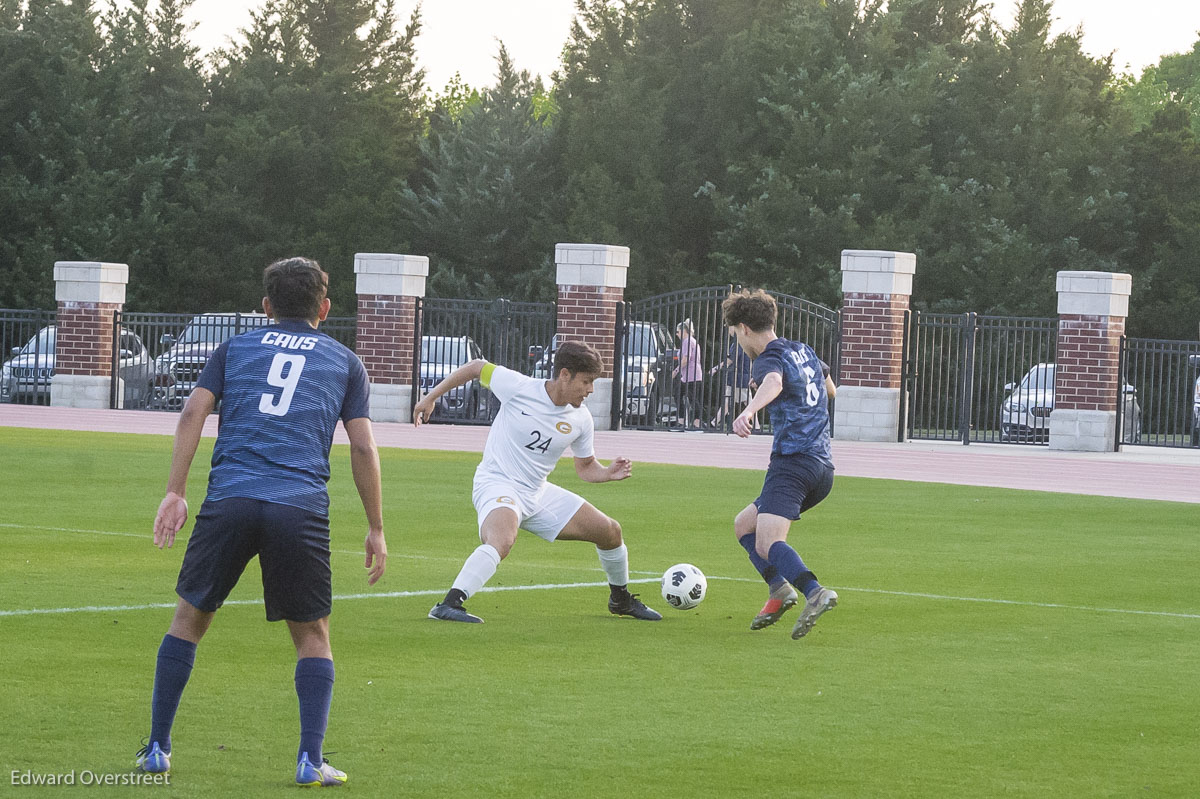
x=388, y=287
x=591, y=281
x=1092, y=307
x=876, y=289
x=89, y=293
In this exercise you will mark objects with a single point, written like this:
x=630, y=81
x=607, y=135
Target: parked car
x=1025, y=412
x=650, y=358
x=178, y=368
x=25, y=378
x=441, y=355
x=543, y=359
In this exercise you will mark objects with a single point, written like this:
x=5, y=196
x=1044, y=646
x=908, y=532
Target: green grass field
x=988, y=643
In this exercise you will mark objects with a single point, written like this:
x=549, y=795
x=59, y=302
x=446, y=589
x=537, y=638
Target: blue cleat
x=308, y=775
x=445, y=612
x=630, y=605
x=152, y=759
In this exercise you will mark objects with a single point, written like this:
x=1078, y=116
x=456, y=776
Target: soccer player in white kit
x=537, y=421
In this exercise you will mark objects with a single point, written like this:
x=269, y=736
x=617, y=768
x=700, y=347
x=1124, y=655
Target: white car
x=25, y=378
x=650, y=358
x=1025, y=412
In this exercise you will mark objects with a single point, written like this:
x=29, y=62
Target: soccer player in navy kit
x=282, y=391
x=794, y=387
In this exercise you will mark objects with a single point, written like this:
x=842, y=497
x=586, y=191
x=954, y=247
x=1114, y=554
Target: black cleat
x=445, y=612
x=630, y=605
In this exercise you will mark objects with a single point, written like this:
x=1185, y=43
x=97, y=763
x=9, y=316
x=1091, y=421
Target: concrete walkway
x=1135, y=472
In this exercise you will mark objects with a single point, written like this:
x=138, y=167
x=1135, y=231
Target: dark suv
x=178, y=368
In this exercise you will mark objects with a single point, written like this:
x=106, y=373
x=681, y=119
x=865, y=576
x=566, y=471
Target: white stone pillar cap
x=1094, y=293
x=878, y=272
x=90, y=281
x=390, y=274
x=600, y=265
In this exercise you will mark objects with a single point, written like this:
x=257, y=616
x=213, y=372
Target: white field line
x=547, y=587
x=337, y=597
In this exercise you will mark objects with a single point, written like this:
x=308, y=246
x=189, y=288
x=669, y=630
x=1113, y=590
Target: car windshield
x=217, y=329
x=452, y=351
x=1040, y=378
x=640, y=341
x=42, y=342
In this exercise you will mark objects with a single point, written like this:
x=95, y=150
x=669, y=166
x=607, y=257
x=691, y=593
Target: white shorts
x=544, y=513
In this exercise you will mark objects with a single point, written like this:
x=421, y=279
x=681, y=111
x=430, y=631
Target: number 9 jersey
x=281, y=390
x=530, y=433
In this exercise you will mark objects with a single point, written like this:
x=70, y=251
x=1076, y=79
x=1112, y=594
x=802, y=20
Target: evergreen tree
x=481, y=206
x=313, y=127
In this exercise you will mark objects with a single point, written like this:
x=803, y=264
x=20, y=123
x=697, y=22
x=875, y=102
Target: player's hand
x=172, y=514
x=620, y=468
x=376, y=561
x=422, y=411
x=742, y=425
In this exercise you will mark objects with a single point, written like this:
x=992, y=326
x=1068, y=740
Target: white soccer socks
x=478, y=569
x=615, y=563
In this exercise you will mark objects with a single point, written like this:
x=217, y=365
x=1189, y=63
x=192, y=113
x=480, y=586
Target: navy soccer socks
x=764, y=568
x=314, y=687
x=792, y=568
x=174, y=667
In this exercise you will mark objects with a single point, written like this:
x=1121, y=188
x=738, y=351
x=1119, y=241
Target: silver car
x=26, y=377
x=1025, y=412
x=441, y=355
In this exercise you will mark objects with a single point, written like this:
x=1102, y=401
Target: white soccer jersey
x=530, y=433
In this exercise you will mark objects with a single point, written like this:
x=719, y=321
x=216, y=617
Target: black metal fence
x=680, y=368
x=449, y=333
x=159, y=356
x=27, y=354
x=1164, y=379
x=969, y=377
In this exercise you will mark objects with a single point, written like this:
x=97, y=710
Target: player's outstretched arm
x=772, y=386
x=364, y=464
x=173, y=510
x=593, y=471
x=459, y=377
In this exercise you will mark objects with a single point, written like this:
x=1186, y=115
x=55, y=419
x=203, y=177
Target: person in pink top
x=690, y=373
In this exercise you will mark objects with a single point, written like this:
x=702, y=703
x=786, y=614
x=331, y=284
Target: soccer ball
x=683, y=586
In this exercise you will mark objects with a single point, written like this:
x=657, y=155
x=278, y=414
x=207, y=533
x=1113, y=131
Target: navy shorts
x=794, y=484
x=292, y=545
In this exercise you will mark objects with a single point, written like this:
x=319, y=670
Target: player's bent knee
x=614, y=533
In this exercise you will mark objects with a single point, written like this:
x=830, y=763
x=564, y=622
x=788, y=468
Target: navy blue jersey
x=800, y=414
x=282, y=390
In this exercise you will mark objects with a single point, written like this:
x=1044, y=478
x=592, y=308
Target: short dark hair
x=755, y=309
x=577, y=358
x=295, y=287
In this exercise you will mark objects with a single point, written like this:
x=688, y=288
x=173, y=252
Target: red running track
x=1135, y=472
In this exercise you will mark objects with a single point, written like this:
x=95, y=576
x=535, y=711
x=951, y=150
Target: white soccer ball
x=684, y=586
